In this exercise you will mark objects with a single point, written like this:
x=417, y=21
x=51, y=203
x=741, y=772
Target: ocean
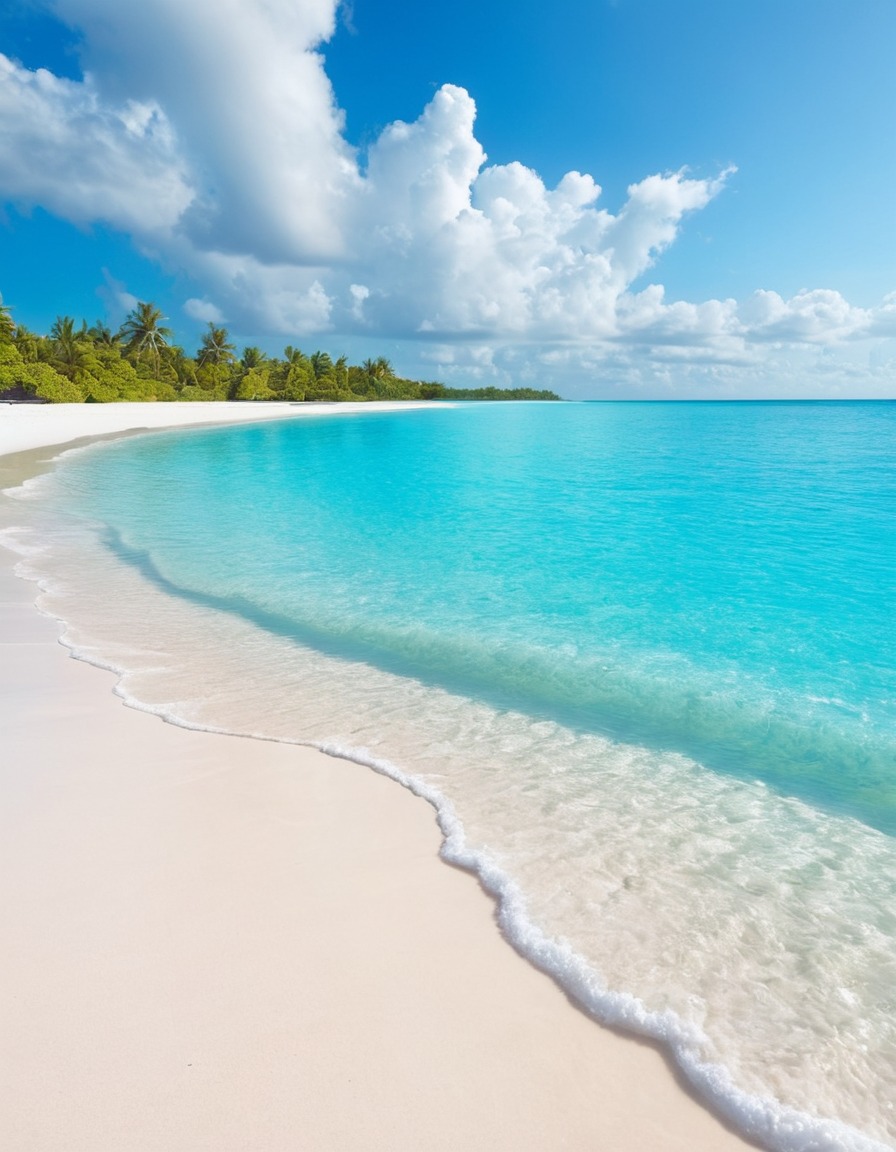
x=641, y=658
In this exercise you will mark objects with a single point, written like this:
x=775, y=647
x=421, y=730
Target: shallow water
x=640, y=656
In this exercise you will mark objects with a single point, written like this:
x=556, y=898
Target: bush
x=47, y=383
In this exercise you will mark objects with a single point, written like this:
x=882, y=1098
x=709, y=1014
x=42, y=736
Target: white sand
x=24, y=426
x=224, y=944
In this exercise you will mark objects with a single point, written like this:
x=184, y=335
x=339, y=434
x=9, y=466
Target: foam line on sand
x=228, y=944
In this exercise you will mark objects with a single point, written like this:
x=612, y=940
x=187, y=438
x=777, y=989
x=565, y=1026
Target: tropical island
x=139, y=362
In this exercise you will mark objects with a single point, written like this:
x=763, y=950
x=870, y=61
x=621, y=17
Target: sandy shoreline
x=27, y=426
x=226, y=944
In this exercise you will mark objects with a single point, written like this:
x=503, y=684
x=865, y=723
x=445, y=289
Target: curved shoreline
x=440, y=988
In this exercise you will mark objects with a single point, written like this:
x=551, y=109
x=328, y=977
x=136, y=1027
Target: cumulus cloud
x=204, y=311
x=252, y=108
x=62, y=146
x=820, y=316
x=229, y=160
x=883, y=320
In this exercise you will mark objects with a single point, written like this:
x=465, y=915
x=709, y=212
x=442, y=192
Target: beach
x=224, y=943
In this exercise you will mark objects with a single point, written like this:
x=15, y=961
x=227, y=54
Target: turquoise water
x=640, y=656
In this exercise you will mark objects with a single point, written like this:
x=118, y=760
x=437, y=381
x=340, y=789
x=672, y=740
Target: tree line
x=139, y=361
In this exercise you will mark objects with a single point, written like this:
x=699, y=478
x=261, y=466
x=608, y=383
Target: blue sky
x=242, y=161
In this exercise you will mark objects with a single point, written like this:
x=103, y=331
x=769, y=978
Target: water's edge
x=765, y=1121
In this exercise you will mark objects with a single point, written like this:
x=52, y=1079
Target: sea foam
x=747, y=930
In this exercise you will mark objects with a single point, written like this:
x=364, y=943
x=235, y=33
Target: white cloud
x=649, y=221
x=115, y=296
x=680, y=371
x=211, y=133
x=358, y=294
x=883, y=321
x=204, y=311
x=463, y=249
x=63, y=147
x=252, y=107
x=817, y=317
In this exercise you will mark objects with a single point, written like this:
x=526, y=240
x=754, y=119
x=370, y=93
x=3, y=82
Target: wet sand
x=220, y=943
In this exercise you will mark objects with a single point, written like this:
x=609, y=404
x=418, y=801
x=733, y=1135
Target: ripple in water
x=752, y=930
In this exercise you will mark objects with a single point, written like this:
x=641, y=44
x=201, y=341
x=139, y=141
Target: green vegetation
x=139, y=362
x=440, y=392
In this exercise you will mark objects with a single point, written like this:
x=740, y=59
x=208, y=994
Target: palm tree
x=103, y=336
x=379, y=369
x=292, y=355
x=68, y=349
x=144, y=334
x=63, y=329
x=252, y=357
x=321, y=364
x=7, y=325
x=216, y=348
x=27, y=342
